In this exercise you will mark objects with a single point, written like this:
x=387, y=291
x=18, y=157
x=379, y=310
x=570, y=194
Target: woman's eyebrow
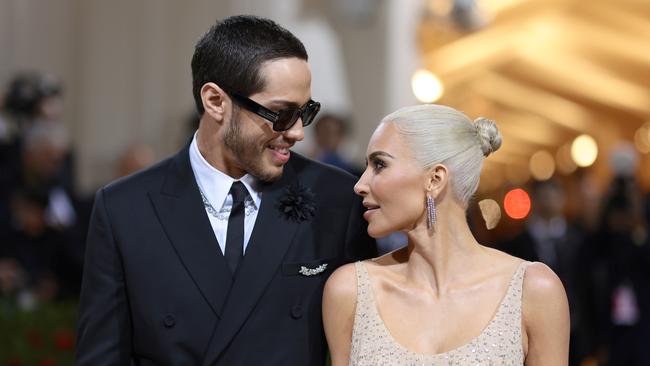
x=375, y=154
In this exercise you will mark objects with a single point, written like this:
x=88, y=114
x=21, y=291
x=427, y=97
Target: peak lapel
x=182, y=215
x=271, y=237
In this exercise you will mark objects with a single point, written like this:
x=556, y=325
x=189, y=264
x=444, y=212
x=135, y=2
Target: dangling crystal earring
x=431, y=212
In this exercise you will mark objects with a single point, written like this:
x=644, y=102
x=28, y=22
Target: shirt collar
x=215, y=184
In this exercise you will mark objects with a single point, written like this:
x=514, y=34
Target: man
x=218, y=255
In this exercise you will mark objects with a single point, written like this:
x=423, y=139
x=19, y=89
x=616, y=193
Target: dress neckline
x=460, y=348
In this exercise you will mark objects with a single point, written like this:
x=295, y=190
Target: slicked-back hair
x=438, y=134
x=232, y=52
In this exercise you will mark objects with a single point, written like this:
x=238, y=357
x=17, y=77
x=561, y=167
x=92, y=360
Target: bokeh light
x=427, y=88
x=642, y=138
x=542, y=165
x=516, y=203
x=441, y=8
x=564, y=162
x=584, y=150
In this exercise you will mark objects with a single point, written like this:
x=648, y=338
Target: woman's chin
x=377, y=233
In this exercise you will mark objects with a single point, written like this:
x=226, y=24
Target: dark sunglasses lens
x=286, y=119
x=309, y=113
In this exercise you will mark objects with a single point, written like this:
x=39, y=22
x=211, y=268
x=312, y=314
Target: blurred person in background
x=549, y=237
x=11, y=274
x=30, y=97
x=35, y=247
x=330, y=133
x=44, y=217
x=622, y=265
x=45, y=148
x=31, y=100
x=136, y=157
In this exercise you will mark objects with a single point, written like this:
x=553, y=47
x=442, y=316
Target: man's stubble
x=248, y=151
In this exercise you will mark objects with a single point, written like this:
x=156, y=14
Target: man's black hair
x=231, y=53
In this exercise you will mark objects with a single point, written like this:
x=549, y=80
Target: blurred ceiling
x=545, y=70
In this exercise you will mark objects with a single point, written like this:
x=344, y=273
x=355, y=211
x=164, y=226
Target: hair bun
x=488, y=134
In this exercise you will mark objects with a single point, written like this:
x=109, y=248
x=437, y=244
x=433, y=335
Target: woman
x=444, y=299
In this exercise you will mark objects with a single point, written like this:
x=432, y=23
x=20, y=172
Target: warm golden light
x=497, y=6
x=491, y=212
x=542, y=165
x=642, y=139
x=427, y=88
x=491, y=180
x=584, y=150
x=517, y=174
x=564, y=162
x=441, y=8
x=545, y=30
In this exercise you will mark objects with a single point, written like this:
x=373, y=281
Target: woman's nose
x=361, y=187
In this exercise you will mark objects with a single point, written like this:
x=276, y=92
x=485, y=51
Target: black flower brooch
x=297, y=203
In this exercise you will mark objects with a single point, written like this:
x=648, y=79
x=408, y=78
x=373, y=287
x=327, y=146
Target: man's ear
x=437, y=178
x=215, y=101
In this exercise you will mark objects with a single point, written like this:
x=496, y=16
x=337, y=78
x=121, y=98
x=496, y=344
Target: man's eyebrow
x=380, y=153
x=284, y=103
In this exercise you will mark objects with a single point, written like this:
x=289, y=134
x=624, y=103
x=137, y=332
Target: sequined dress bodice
x=500, y=342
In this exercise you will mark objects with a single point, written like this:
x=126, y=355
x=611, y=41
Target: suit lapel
x=181, y=212
x=271, y=237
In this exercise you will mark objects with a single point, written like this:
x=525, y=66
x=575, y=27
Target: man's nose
x=296, y=132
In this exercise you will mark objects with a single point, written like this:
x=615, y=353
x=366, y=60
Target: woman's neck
x=439, y=258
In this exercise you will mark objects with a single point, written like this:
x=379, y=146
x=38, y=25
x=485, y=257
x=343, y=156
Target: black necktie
x=235, y=233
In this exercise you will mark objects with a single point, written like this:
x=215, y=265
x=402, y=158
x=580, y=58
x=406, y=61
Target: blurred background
x=94, y=90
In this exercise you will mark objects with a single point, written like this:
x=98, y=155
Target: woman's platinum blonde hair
x=442, y=135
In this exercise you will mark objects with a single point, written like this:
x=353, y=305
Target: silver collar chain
x=224, y=213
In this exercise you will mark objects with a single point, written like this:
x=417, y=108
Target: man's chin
x=270, y=174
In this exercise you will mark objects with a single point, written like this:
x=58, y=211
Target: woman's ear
x=437, y=178
x=215, y=101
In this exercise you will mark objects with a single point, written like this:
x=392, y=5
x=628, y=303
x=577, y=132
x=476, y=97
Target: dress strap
x=517, y=282
x=364, y=300
x=513, y=297
x=363, y=283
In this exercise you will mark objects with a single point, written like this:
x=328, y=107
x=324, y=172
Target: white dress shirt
x=215, y=186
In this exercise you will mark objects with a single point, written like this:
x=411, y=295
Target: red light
x=517, y=204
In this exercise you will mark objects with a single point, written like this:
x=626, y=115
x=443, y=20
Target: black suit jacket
x=157, y=291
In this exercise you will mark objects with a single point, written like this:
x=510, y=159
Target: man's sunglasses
x=283, y=119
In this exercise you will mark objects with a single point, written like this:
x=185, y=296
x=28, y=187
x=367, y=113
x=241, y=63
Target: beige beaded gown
x=500, y=342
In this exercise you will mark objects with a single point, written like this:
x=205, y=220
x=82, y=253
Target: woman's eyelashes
x=378, y=164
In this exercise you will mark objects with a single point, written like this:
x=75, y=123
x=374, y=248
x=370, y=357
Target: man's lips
x=280, y=152
x=282, y=149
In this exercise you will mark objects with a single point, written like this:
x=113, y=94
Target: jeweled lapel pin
x=312, y=271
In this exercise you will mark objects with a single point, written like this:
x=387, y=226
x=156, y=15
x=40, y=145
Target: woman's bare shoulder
x=540, y=282
x=545, y=316
x=342, y=283
x=544, y=298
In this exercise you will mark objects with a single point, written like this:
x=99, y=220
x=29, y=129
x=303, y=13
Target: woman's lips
x=369, y=212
